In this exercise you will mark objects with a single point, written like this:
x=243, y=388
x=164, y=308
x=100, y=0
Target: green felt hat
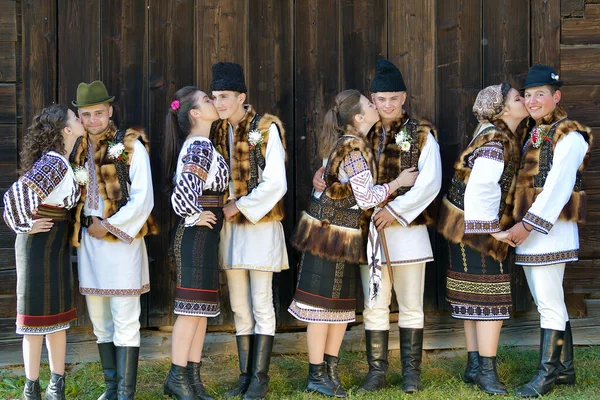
x=90, y=94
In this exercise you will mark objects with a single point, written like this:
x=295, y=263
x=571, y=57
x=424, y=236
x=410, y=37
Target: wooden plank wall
x=297, y=55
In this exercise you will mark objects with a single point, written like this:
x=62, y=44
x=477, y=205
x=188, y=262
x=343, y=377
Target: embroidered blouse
x=50, y=181
x=200, y=168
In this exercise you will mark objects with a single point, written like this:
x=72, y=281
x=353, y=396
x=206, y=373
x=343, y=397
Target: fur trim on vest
x=527, y=189
x=392, y=160
x=451, y=220
x=340, y=234
x=109, y=186
x=241, y=170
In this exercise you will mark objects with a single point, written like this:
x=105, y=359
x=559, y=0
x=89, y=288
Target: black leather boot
x=472, y=367
x=411, y=354
x=487, y=377
x=377, y=358
x=319, y=381
x=261, y=359
x=177, y=384
x=245, y=345
x=195, y=380
x=127, y=364
x=56, y=387
x=332, y=372
x=32, y=390
x=547, y=370
x=566, y=369
x=108, y=360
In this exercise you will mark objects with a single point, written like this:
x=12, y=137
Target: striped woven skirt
x=45, y=286
x=195, y=250
x=326, y=291
x=477, y=286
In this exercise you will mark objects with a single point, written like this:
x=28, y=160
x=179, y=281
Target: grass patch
x=441, y=374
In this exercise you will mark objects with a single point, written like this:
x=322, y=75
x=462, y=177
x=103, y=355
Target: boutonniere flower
x=403, y=140
x=256, y=138
x=538, y=136
x=82, y=176
x=116, y=151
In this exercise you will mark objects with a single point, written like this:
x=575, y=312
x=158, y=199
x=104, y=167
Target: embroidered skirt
x=477, y=286
x=44, y=281
x=326, y=291
x=195, y=251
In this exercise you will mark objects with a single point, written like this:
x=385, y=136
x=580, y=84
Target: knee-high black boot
x=377, y=358
x=411, y=354
x=259, y=384
x=245, y=346
x=472, y=367
x=127, y=364
x=196, y=381
x=547, y=371
x=566, y=369
x=108, y=360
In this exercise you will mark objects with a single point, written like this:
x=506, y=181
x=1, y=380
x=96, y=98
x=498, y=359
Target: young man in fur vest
x=112, y=218
x=252, y=241
x=400, y=142
x=549, y=203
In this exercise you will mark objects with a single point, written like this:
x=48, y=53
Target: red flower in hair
x=175, y=105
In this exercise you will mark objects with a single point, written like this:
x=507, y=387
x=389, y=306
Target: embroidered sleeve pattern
x=490, y=150
x=19, y=202
x=480, y=227
x=45, y=175
x=117, y=232
x=366, y=194
x=538, y=223
x=190, y=185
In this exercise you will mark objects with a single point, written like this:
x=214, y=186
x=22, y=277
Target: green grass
x=440, y=375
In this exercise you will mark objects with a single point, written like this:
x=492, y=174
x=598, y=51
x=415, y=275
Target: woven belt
x=87, y=220
x=212, y=201
x=55, y=213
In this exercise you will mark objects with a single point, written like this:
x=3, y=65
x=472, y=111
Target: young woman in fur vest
x=549, y=203
x=473, y=217
x=331, y=238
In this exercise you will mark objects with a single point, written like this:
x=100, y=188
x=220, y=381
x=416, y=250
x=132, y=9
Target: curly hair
x=44, y=135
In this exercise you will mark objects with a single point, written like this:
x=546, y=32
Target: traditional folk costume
x=113, y=271
x=44, y=276
x=252, y=245
x=201, y=179
x=409, y=143
x=549, y=196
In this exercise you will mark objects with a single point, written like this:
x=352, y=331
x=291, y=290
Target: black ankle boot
x=332, y=372
x=108, y=359
x=547, y=370
x=411, y=354
x=32, y=390
x=487, y=377
x=177, y=384
x=472, y=367
x=377, y=358
x=193, y=369
x=319, y=381
x=566, y=370
x=56, y=388
x=259, y=384
x=245, y=346
x=127, y=364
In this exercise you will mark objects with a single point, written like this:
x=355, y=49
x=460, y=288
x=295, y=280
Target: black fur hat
x=228, y=76
x=388, y=78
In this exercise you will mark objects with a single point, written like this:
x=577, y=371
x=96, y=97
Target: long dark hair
x=44, y=135
x=338, y=118
x=178, y=125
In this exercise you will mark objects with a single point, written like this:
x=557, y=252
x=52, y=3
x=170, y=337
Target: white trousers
x=251, y=298
x=115, y=319
x=409, y=284
x=546, y=286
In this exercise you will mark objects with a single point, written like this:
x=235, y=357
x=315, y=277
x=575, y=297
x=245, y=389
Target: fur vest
x=392, y=160
x=113, y=180
x=330, y=227
x=536, y=163
x=451, y=221
x=245, y=162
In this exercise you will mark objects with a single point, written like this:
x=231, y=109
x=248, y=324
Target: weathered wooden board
x=579, y=64
x=8, y=62
x=8, y=103
x=582, y=103
x=545, y=33
x=8, y=21
x=581, y=31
